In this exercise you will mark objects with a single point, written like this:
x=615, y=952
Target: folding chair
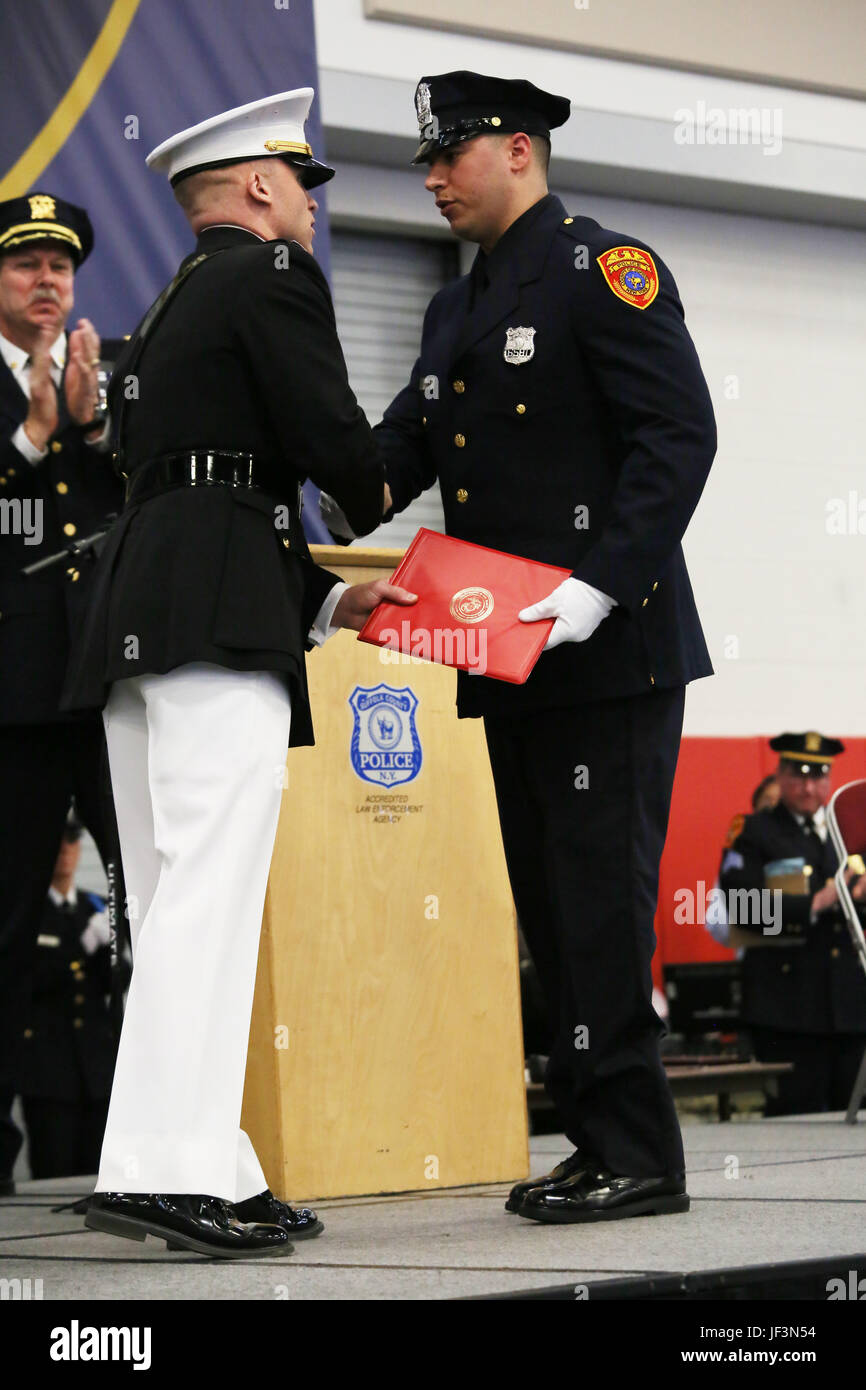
x=846, y=817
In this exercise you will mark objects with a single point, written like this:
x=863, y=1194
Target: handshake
x=357, y=601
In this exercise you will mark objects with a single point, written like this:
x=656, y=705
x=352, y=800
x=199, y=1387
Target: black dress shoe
x=7, y=1187
x=299, y=1222
x=207, y=1225
x=598, y=1195
x=568, y=1168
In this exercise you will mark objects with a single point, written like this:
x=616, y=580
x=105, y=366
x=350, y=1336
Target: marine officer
x=233, y=390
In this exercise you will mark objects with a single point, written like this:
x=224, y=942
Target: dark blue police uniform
x=47, y=756
x=559, y=402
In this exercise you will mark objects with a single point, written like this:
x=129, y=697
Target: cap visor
x=311, y=171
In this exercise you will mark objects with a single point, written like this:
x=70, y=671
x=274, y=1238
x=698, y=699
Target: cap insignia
x=422, y=104
x=41, y=205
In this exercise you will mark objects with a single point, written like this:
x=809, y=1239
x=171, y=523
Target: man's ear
x=520, y=152
x=259, y=186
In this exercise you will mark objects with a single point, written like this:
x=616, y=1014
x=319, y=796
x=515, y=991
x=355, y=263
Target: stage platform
x=764, y=1193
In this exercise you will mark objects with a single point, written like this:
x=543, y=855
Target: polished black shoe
x=597, y=1195
x=298, y=1222
x=207, y=1225
x=568, y=1168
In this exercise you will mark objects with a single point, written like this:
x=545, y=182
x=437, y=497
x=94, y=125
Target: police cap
x=457, y=106
x=810, y=754
x=41, y=217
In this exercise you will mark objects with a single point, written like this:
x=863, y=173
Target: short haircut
x=541, y=147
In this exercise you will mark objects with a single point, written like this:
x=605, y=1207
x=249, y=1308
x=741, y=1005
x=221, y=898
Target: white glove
x=97, y=933
x=577, y=607
x=334, y=517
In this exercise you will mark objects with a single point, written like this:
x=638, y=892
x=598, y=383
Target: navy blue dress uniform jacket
x=813, y=983
x=68, y=1049
x=245, y=359
x=610, y=414
x=75, y=487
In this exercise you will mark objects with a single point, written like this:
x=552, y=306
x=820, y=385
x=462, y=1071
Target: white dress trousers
x=197, y=761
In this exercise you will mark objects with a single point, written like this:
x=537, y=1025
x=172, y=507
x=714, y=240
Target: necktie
x=480, y=282
x=811, y=831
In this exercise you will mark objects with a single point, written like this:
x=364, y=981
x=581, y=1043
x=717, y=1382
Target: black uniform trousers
x=42, y=766
x=583, y=864
x=64, y=1137
x=825, y=1069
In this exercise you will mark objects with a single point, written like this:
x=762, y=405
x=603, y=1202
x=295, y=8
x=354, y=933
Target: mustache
x=38, y=295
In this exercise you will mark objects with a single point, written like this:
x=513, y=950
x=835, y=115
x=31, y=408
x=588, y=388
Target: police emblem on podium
x=385, y=747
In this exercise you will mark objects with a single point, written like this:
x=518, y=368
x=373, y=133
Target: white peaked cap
x=272, y=126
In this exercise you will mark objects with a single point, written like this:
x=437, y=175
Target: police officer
x=232, y=390
x=804, y=992
x=559, y=402
x=67, y=1050
x=56, y=486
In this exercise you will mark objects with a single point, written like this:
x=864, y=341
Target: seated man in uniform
x=804, y=994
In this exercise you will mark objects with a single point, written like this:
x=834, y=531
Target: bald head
x=263, y=195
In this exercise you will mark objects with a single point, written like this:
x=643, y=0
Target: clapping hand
x=41, y=421
x=82, y=372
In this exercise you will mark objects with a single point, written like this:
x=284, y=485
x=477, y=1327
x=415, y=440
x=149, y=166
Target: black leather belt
x=198, y=468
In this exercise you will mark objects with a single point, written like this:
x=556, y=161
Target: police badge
x=422, y=104
x=519, y=345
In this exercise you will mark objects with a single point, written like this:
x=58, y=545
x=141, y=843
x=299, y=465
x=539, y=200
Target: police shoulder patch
x=734, y=830
x=631, y=274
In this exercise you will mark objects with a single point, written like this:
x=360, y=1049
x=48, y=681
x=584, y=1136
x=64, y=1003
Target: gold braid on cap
x=38, y=231
x=288, y=147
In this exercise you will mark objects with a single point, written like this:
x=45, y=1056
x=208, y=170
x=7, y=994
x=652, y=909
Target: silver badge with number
x=519, y=345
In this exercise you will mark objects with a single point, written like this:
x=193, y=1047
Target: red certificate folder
x=468, y=600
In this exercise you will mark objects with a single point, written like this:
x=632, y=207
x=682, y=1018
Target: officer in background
x=56, y=485
x=804, y=991
x=559, y=401
x=69, y=1046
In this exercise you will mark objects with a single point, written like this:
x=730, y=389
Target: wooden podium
x=386, y=1050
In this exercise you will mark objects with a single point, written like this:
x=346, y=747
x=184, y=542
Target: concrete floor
x=762, y=1191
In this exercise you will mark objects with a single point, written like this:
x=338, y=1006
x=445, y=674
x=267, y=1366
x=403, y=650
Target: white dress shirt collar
x=58, y=899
